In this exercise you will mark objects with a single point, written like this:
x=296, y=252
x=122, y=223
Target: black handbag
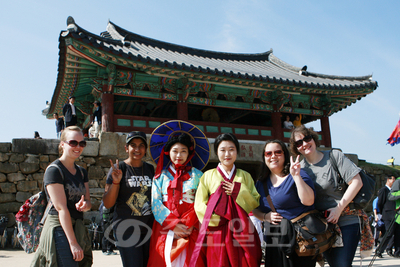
x=366, y=193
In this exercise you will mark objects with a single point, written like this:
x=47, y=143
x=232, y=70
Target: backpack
x=31, y=217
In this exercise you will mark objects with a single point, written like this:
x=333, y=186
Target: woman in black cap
x=128, y=187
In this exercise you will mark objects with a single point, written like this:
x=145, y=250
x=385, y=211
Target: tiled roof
x=259, y=67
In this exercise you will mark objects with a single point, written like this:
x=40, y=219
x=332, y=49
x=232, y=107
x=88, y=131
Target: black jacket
x=386, y=206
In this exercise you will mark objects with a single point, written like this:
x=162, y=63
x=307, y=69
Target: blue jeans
x=343, y=256
x=133, y=256
x=64, y=254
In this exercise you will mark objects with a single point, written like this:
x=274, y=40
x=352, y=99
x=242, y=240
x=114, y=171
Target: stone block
x=38, y=176
x=91, y=149
x=32, y=158
x=6, y=167
x=5, y=147
x=15, y=177
x=35, y=146
x=44, y=165
x=108, y=144
x=3, y=178
x=96, y=192
x=105, y=161
x=17, y=157
x=7, y=197
x=82, y=164
x=44, y=158
x=121, y=147
x=52, y=158
x=27, y=167
x=3, y=157
x=22, y=196
x=95, y=172
x=89, y=160
x=9, y=207
x=102, y=183
x=8, y=188
x=95, y=203
x=93, y=184
x=26, y=186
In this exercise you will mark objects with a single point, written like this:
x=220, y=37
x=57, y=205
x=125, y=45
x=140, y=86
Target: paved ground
x=17, y=258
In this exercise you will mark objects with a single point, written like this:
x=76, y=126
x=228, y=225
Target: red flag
x=394, y=138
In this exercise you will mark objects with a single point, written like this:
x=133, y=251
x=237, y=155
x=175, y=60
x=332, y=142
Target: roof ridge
x=134, y=37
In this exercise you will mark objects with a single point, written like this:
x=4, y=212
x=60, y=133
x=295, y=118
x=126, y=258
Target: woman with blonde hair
x=65, y=240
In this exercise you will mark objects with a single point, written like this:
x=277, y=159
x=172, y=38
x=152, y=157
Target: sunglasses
x=278, y=153
x=74, y=143
x=306, y=139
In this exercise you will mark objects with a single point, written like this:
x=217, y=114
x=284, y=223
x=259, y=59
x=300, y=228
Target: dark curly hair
x=183, y=138
x=304, y=131
x=265, y=171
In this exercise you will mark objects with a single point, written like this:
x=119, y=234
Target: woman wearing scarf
x=174, y=187
x=224, y=198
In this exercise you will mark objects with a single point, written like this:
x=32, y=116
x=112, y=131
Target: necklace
x=133, y=169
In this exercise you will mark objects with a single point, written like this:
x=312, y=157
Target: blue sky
x=352, y=38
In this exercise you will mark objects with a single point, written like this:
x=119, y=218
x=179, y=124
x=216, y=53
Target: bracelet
x=115, y=183
x=264, y=217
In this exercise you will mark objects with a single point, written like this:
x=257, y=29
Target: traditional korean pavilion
x=143, y=82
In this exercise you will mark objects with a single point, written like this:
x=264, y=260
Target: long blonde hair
x=64, y=133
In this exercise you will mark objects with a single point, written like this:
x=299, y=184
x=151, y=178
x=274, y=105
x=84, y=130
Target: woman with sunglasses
x=292, y=194
x=333, y=202
x=128, y=189
x=224, y=198
x=64, y=239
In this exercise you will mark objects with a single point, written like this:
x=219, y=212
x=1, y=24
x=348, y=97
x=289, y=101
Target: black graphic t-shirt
x=134, y=196
x=74, y=186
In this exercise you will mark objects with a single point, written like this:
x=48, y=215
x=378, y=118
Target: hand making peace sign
x=116, y=172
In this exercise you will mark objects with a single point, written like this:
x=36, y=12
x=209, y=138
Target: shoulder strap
x=335, y=167
x=268, y=196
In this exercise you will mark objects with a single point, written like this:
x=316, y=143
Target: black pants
x=72, y=122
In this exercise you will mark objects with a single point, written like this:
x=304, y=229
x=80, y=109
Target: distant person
x=69, y=111
x=379, y=227
x=297, y=121
x=394, y=196
x=59, y=124
x=388, y=208
x=287, y=124
x=36, y=135
x=95, y=130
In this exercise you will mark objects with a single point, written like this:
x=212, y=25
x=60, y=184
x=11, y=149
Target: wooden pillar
x=277, y=125
x=326, y=131
x=182, y=109
x=107, y=109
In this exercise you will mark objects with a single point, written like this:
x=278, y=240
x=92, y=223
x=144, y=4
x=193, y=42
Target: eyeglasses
x=278, y=153
x=74, y=143
x=306, y=139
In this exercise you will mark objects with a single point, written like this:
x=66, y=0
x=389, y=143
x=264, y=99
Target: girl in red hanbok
x=224, y=198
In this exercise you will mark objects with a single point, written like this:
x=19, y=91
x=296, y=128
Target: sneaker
x=106, y=253
x=112, y=253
